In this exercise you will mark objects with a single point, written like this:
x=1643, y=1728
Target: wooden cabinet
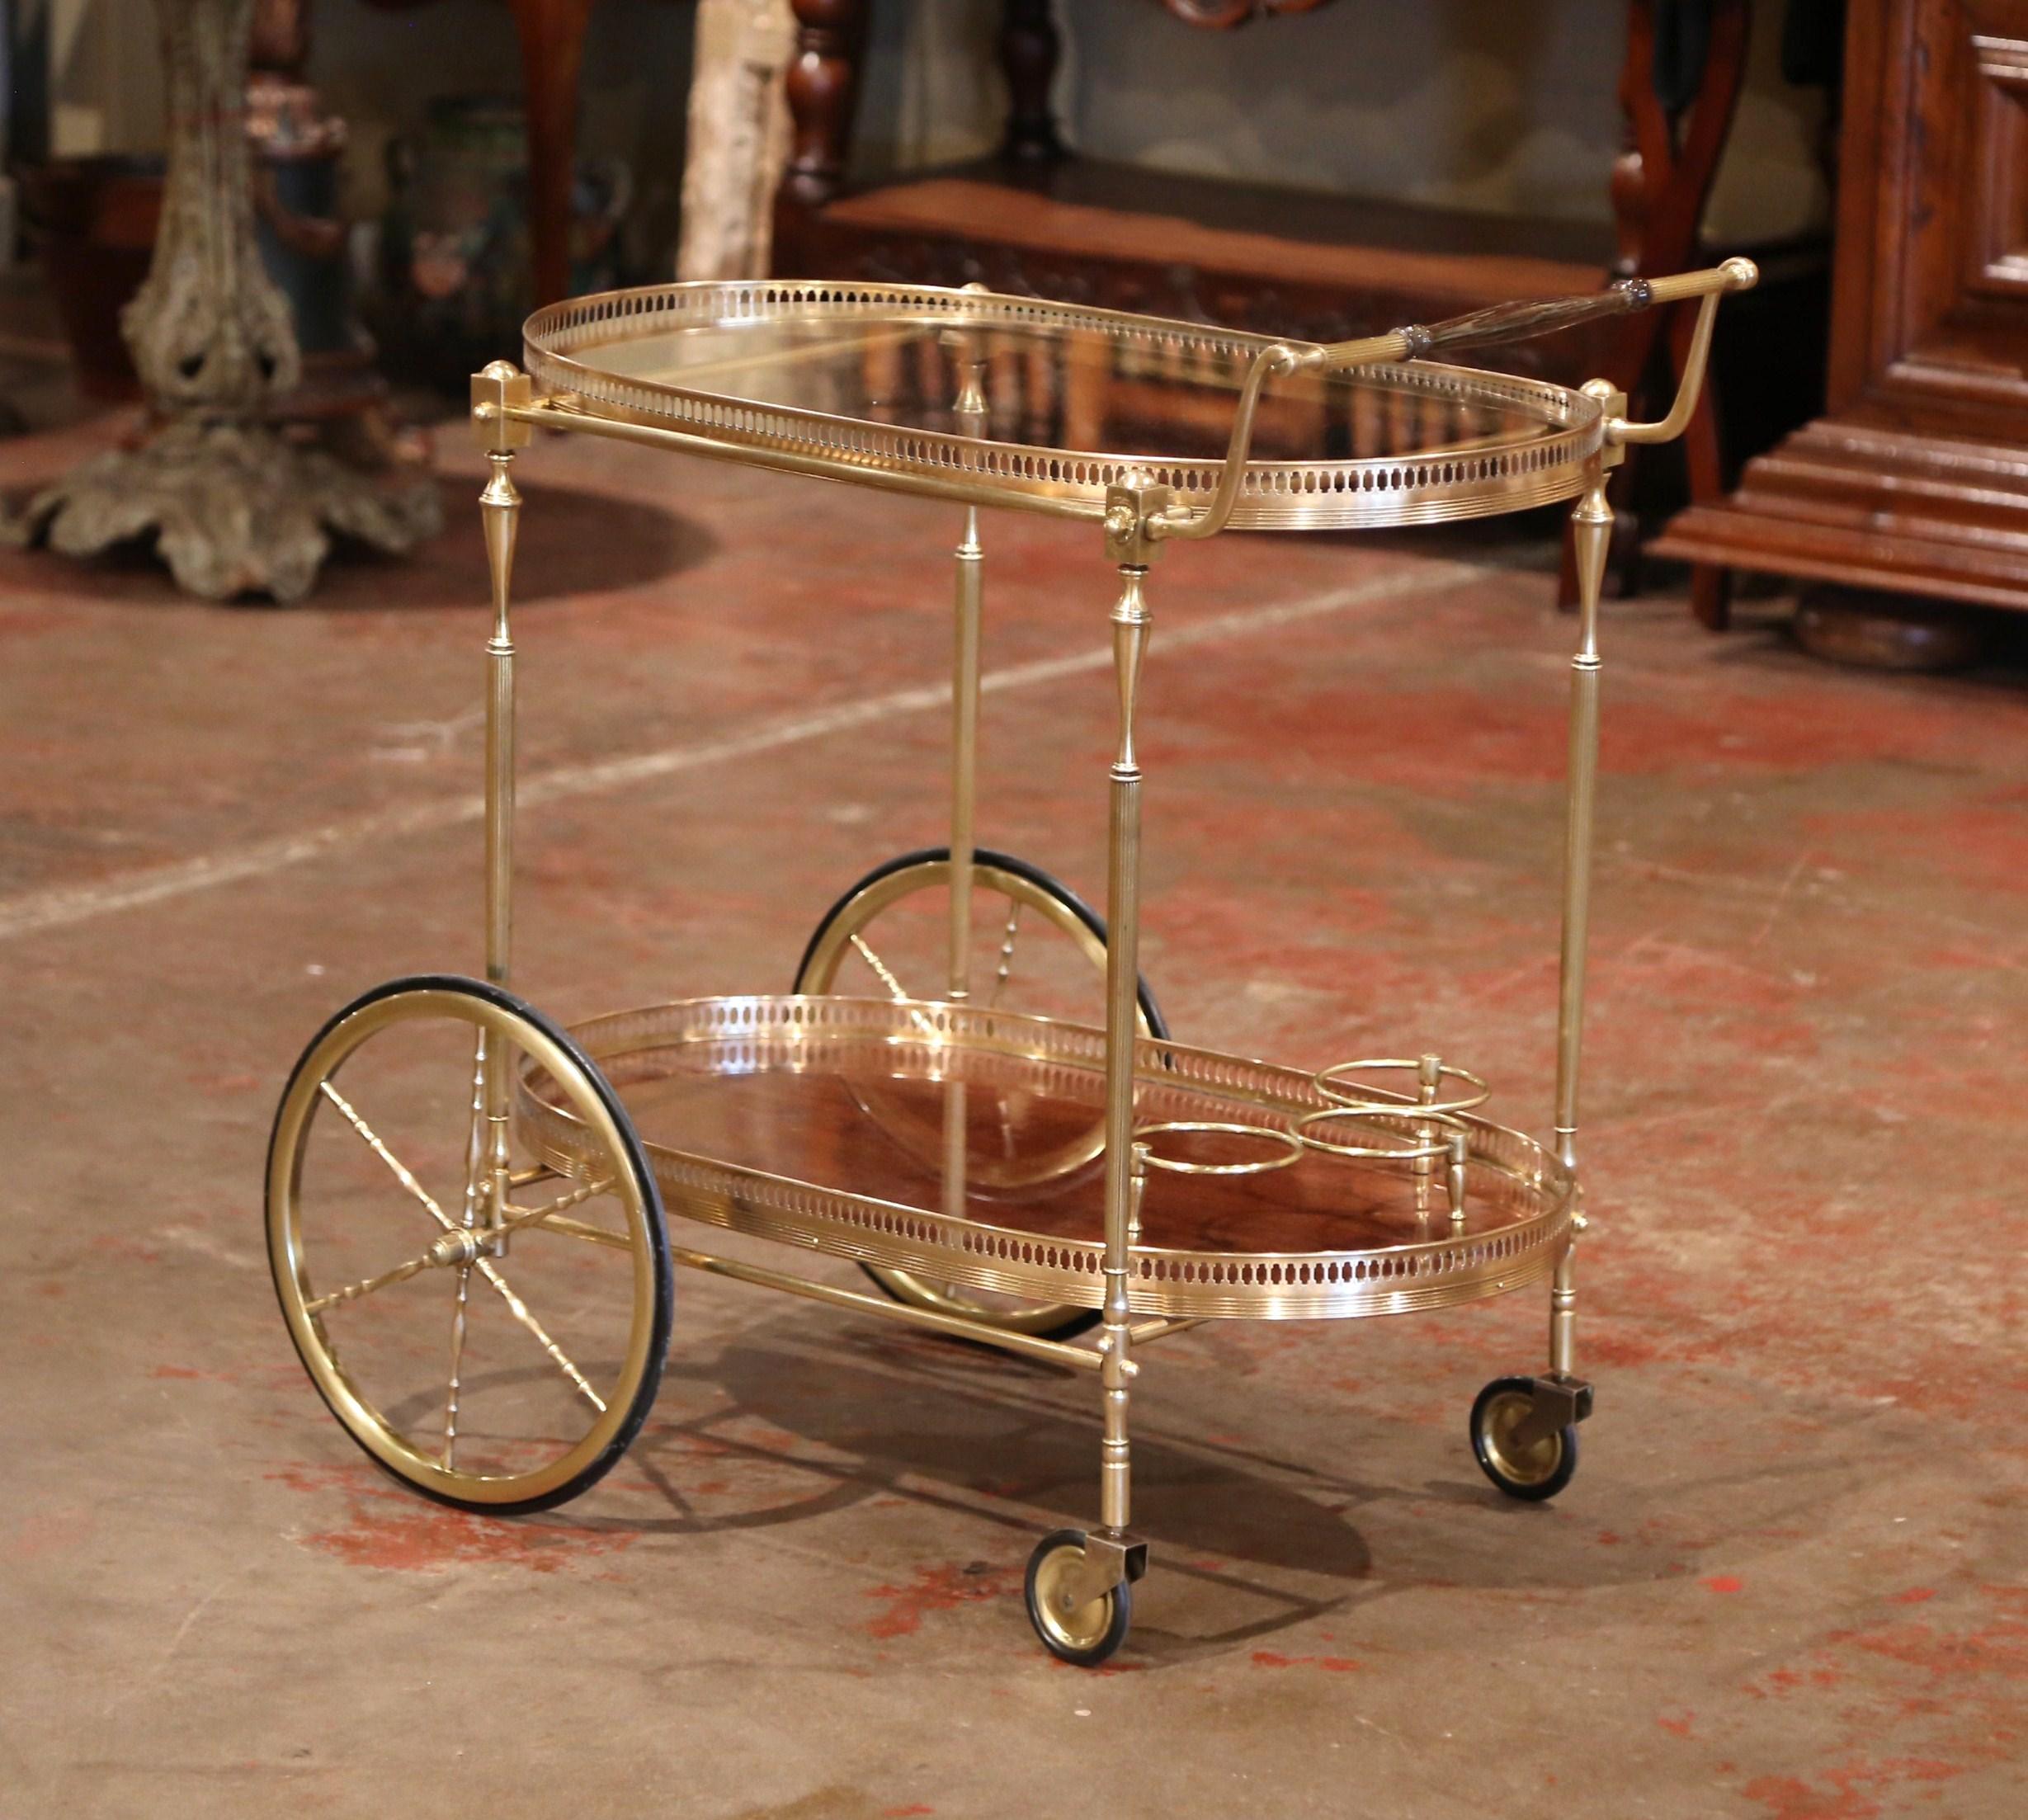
x=1916, y=479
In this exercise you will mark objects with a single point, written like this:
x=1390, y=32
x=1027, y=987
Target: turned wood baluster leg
x=552, y=42
x=823, y=85
x=1031, y=48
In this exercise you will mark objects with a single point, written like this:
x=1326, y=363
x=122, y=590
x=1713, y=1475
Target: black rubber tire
x=1528, y=1491
x=1119, y=1621
x=1151, y=1012
x=651, y=1201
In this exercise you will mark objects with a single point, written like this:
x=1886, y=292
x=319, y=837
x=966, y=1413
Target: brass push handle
x=1517, y=321
x=1478, y=328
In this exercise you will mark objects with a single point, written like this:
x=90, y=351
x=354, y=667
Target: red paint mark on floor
x=391, y=1528
x=1335, y=1665
x=1961, y=1664
x=427, y=1538
x=934, y=1589
x=1789, y=1798
x=903, y=1813
x=1915, y=1595
x=1848, y=1792
x=1679, y=1727
x=1725, y=1583
x=1788, y=1681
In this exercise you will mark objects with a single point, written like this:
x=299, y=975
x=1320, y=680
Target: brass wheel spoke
x=579, y=1229
x=1009, y=934
x=516, y=1306
x=475, y=1130
x=519, y=1311
x=550, y=1213
x=366, y=1285
x=534, y=1216
x=474, y=1150
x=894, y=987
x=457, y=1367
x=1008, y=937
x=400, y=1169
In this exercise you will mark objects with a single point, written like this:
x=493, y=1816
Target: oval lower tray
x=825, y=1122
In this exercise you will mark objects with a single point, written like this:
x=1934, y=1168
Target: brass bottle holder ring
x=1330, y=1083
x=1454, y=1150
x=1293, y=1147
x=1410, y=1149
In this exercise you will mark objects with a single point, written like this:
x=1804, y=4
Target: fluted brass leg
x=1591, y=532
x=963, y=789
x=500, y=510
x=1125, y=1173
x=968, y=406
x=1115, y=1482
x=964, y=750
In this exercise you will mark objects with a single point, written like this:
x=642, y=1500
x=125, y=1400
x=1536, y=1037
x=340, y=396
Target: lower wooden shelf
x=826, y=1122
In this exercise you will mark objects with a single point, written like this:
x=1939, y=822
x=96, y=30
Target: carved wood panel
x=1997, y=218
x=1933, y=261
x=1917, y=479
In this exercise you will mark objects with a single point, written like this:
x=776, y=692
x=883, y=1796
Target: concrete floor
x=1791, y=1579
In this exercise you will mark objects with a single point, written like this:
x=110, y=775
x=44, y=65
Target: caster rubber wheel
x=1534, y=1469
x=500, y=1375
x=1039, y=949
x=1083, y=1635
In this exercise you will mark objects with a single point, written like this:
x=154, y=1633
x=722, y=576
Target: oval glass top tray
x=825, y=1122
x=864, y=383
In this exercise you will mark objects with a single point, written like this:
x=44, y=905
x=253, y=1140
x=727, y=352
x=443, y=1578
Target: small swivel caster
x=1525, y=1433
x=1075, y=1624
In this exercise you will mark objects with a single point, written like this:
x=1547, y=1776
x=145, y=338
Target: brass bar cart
x=970, y=1091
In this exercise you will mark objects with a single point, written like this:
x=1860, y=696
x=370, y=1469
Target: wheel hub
x=1076, y=1626
x=1526, y=1462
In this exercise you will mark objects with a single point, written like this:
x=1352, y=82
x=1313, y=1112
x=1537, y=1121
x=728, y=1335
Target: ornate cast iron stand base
x=236, y=508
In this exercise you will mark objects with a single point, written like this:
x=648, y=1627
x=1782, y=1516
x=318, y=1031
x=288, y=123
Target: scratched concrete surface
x=1788, y=1582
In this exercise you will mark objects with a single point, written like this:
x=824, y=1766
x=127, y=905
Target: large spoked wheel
x=1037, y=948
x=502, y=1374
